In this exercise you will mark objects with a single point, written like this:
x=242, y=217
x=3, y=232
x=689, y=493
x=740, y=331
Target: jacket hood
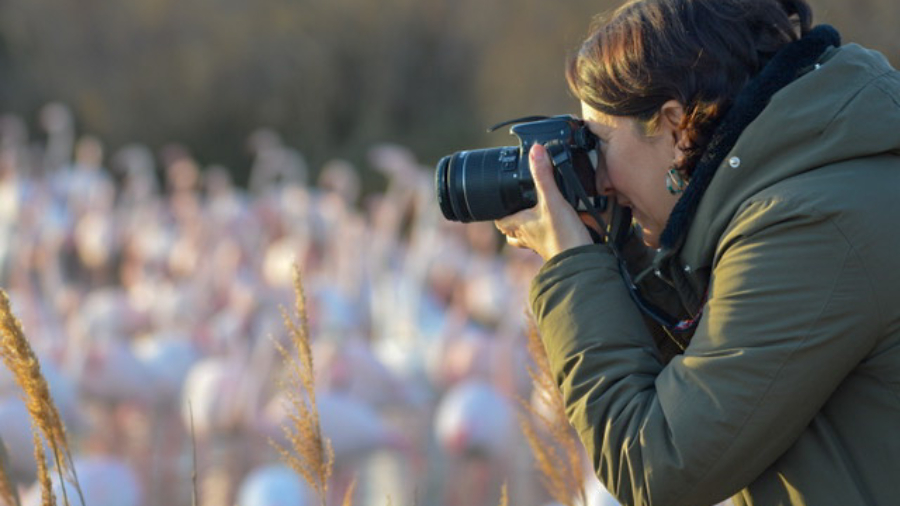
x=845, y=106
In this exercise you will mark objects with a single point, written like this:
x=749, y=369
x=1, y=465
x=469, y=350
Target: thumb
x=542, y=173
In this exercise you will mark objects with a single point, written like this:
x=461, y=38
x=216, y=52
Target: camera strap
x=613, y=233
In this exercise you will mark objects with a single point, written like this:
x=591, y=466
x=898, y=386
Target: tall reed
x=310, y=453
x=348, y=494
x=195, y=500
x=8, y=492
x=20, y=359
x=559, y=462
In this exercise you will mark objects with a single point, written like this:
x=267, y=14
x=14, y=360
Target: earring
x=674, y=182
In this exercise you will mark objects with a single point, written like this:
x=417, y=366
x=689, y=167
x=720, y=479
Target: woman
x=761, y=161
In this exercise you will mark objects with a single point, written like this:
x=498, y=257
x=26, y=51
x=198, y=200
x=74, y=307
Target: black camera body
x=487, y=184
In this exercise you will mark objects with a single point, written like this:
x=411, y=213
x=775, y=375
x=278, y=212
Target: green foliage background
x=332, y=76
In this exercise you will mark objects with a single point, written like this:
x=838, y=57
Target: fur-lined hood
x=834, y=106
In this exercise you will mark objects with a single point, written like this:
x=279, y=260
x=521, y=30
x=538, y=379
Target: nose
x=601, y=179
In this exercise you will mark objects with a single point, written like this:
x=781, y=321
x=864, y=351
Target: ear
x=671, y=115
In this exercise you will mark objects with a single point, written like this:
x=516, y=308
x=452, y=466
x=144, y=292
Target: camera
x=487, y=184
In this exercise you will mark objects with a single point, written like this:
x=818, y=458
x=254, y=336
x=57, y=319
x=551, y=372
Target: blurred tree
x=333, y=76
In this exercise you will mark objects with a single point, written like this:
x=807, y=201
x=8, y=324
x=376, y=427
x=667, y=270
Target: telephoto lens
x=487, y=184
x=484, y=184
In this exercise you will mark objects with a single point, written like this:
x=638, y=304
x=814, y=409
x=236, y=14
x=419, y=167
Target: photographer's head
x=655, y=77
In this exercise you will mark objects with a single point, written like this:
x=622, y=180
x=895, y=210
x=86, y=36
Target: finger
x=542, y=173
x=514, y=241
x=514, y=221
x=504, y=225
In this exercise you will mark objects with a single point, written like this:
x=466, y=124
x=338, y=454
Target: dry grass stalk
x=559, y=462
x=195, y=501
x=310, y=453
x=348, y=494
x=47, y=497
x=8, y=492
x=21, y=360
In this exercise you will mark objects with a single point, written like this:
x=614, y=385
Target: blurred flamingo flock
x=152, y=290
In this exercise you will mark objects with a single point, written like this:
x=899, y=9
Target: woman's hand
x=550, y=227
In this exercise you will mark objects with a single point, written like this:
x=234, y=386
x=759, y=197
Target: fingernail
x=538, y=152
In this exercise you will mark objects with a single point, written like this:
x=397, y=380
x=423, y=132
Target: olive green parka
x=788, y=392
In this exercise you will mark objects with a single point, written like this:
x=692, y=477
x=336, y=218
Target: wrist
x=567, y=246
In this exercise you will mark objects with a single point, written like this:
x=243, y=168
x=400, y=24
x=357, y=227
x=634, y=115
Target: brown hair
x=698, y=52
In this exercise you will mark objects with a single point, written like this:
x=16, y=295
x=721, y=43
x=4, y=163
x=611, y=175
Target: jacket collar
x=788, y=64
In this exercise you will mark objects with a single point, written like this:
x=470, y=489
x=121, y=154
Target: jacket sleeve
x=789, y=314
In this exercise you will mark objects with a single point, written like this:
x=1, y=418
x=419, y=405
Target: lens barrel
x=483, y=184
